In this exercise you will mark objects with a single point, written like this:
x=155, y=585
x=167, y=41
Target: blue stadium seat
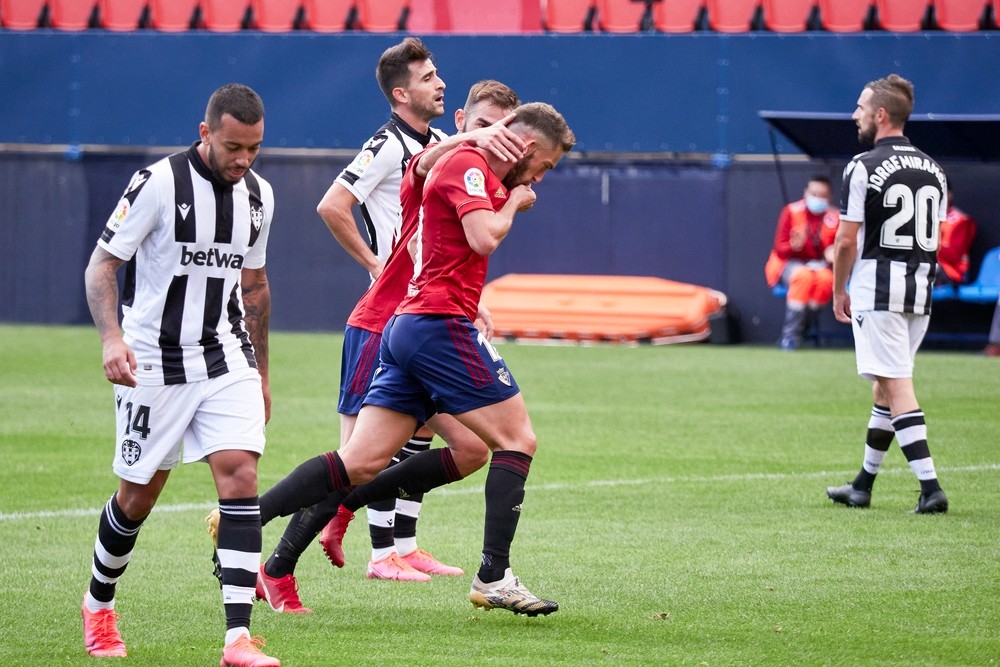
x=986, y=287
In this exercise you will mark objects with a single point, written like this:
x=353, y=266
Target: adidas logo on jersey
x=211, y=258
x=500, y=194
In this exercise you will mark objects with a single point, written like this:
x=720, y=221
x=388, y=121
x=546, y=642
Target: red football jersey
x=378, y=304
x=450, y=277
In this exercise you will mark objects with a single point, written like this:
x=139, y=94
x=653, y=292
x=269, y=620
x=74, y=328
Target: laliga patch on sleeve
x=361, y=162
x=118, y=217
x=475, y=183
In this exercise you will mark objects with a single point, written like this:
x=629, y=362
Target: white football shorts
x=886, y=343
x=158, y=426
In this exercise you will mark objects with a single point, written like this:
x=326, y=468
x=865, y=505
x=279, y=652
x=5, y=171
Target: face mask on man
x=816, y=205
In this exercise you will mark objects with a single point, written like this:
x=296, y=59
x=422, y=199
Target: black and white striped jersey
x=186, y=238
x=376, y=174
x=897, y=193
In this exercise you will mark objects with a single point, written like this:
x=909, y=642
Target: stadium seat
x=121, y=15
x=620, y=15
x=959, y=15
x=567, y=15
x=496, y=17
x=787, y=15
x=328, y=15
x=986, y=287
x=71, y=14
x=844, y=15
x=678, y=16
x=172, y=15
x=901, y=15
x=224, y=15
x=731, y=15
x=21, y=14
x=276, y=15
x=383, y=15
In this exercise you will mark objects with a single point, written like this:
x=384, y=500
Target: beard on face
x=516, y=173
x=866, y=136
x=217, y=169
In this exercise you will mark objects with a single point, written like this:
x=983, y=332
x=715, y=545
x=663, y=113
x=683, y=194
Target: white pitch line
x=561, y=486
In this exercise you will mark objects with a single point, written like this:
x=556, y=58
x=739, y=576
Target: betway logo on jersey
x=211, y=257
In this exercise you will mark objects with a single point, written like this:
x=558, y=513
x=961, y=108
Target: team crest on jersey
x=131, y=451
x=475, y=183
x=256, y=216
x=503, y=376
x=362, y=161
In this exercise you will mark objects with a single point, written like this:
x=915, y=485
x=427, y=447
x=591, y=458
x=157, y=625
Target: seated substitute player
x=192, y=365
x=433, y=359
x=482, y=121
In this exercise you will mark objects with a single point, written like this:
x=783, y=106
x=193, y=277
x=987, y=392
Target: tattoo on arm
x=257, y=307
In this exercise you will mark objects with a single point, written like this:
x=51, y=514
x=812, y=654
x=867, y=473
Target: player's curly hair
x=393, y=69
x=546, y=121
x=894, y=94
x=237, y=100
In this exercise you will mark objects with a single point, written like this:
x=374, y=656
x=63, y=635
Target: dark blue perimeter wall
x=674, y=175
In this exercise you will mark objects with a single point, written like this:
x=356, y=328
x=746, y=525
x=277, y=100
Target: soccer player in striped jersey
x=189, y=361
x=894, y=200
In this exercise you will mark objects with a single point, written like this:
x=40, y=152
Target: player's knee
x=135, y=505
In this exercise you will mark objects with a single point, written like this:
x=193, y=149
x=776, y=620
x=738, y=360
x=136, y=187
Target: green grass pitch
x=675, y=509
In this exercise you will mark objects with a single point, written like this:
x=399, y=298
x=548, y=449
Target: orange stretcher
x=617, y=309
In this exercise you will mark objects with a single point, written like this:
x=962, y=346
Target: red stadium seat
x=70, y=14
x=327, y=15
x=901, y=15
x=496, y=17
x=844, y=15
x=566, y=15
x=959, y=15
x=382, y=15
x=121, y=15
x=172, y=15
x=21, y=14
x=676, y=16
x=620, y=15
x=731, y=15
x=787, y=15
x=275, y=15
x=224, y=15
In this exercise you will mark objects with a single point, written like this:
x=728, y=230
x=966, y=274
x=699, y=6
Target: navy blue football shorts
x=358, y=362
x=434, y=363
